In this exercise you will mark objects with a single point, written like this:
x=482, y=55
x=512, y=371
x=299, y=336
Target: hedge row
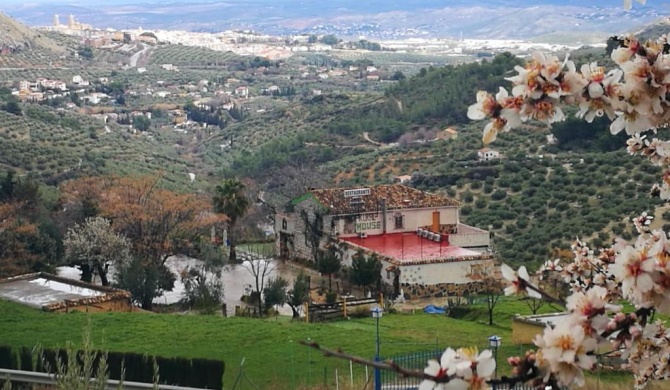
x=200, y=373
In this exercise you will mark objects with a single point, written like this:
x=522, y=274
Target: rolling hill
x=17, y=37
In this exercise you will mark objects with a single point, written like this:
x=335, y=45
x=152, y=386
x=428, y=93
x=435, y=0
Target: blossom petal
x=523, y=273
x=508, y=272
x=490, y=133
x=486, y=367
x=533, y=294
x=456, y=384
x=433, y=368
x=447, y=357
x=475, y=112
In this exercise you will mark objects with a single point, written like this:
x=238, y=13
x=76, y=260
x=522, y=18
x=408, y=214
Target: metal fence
x=391, y=380
x=515, y=387
x=41, y=378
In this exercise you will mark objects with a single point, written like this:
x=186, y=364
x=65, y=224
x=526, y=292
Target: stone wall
x=416, y=290
x=301, y=247
x=116, y=305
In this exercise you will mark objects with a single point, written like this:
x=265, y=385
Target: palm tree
x=231, y=200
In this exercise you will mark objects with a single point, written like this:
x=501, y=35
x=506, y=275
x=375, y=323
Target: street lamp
x=495, y=342
x=377, y=313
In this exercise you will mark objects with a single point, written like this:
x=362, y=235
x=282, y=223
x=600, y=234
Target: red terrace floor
x=409, y=247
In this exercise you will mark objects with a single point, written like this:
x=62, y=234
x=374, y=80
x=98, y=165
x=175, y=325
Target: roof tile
x=397, y=196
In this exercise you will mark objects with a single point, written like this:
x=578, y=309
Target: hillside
x=17, y=37
x=55, y=145
x=326, y=128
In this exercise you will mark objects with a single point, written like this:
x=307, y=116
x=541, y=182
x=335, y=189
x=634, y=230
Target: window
x=399, y=221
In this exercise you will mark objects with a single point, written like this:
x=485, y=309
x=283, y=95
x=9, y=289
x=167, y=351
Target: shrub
x=331, y=297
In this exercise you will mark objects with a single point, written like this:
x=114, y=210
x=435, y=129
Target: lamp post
x=495, y=342
x=377, y=313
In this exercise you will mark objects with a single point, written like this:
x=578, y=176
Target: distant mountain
x=375, y=19
x=16, y=37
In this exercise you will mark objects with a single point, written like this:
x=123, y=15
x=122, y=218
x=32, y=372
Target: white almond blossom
x=519, y=281
x=565, y=349
x=465, y=368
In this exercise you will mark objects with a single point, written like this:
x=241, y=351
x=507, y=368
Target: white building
x=486, y=154
x=423, y=247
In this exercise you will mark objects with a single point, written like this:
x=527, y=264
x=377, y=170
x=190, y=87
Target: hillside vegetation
x=57, y=145
x=18, y=37
x=328, y=127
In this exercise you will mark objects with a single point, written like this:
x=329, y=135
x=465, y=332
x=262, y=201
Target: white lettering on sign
x=356, y=192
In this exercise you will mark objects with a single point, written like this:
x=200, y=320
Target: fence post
x=337, y=380
x=344, y=306
x=307, y=312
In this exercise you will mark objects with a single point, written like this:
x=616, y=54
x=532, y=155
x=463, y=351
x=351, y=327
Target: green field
x=272, y=356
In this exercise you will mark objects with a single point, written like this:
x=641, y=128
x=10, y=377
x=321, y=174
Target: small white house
x=486, y=154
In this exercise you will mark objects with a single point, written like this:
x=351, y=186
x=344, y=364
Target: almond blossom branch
x=545, y=295
x=443, y=375
x=386, y=365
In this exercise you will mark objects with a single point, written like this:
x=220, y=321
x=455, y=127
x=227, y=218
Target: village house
x=402, y=179
x=35, y=96
x=61, y=85
x=486, y=154
x=424, y=248
x=447, y=134
x=242, y=91
x=78, y=80
x=96, y=97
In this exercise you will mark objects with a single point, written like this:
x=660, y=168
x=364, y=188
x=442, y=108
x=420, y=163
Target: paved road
x=135, y=57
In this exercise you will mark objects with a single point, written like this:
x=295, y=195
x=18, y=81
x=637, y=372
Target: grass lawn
x=273, y=359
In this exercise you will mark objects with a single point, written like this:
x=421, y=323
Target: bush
x=498, y=195
x=331, y=297
x=467, y=197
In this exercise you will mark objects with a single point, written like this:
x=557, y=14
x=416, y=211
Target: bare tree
x=285, y=184
x=534, y=304
x=260, y=266
x=491, y=282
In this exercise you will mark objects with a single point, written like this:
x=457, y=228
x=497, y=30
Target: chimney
x=436, y=222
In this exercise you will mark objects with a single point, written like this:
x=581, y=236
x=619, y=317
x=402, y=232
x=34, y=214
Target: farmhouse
x=486, y=154
x=62, y=295
x=423, y=247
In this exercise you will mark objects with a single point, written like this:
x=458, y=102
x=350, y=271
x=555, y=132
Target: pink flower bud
x=611, y=325
x=635, y=331
x=633, y=316
x=619, y=317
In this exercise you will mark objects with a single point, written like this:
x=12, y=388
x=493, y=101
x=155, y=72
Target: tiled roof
x=397, y=196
